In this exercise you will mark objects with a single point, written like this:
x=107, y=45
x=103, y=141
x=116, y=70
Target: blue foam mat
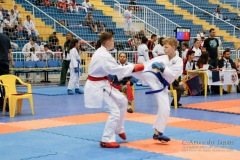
x=48, y=146
x=49, y=91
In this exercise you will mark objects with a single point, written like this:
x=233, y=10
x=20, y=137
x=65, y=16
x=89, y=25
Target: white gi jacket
x=173, y=68
x=29, y=25
x=75, y=58
x=158, y=50
x=103, y=64
x=142, y=53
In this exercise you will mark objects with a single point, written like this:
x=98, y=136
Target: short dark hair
x=144, y=39
x=122, y=53
x=32, y=49
x=105, y=36
x=226, y=50
x=153, y=35
x=212, y=29
x=185, y=44
x=46, y=45
x=54, y=32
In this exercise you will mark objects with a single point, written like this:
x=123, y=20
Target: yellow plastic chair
x=174, y=93
x=9, y=83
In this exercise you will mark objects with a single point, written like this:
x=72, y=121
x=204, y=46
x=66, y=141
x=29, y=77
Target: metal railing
x=209, y=17
x=234, y=4
x=153, y=21
x=35, y=10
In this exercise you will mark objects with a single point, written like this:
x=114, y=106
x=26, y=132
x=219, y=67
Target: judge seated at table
x=227, y=63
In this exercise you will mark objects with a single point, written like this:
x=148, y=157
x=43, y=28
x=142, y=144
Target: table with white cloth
x=226, y=77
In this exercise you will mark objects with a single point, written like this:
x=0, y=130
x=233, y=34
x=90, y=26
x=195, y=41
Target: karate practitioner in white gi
x=170, y=67
x=99, y=93
x=75, y=67
x=128, y=20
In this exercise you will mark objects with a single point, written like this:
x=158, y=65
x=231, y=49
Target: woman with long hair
x=75, y=67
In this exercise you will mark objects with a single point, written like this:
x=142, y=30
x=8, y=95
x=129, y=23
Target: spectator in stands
x=199, y=35
x=128, y=20
x=13, y=18
x=185, y=47
x=54, y=43
x=158, y=49
x=132, y=2
x=102, y=28
x=26, y=49
x=196, y=48
x=2, y=10
x=124, y=85
x=87, y=6
x=90, y=22
x=34, y=56
x=65, y=59
x=218, y=13
x=202, y=43
x=47, y=3
x=132, y=44
x=29, y=26
x=8, y=27
x=62, y=4
x=151, y=45
x=211, y=45
x=17, y=13
x=5, y=56
x=48, y=54
x=72, y=6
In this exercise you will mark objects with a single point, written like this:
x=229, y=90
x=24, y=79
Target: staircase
x=205, y=25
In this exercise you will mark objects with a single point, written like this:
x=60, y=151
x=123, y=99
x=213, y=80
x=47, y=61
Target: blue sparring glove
x=134, y=80
x=112, y=77
x=158, y=65
x=76, y=70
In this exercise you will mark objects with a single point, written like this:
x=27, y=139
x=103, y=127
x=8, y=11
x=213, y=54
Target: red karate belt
x=91, y=78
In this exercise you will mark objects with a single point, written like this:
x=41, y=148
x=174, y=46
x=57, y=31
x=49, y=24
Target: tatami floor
x=207, y=128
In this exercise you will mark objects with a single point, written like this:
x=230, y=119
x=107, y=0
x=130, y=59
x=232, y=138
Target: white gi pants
x=161, y=97
x=74, y=80
x=30, y=32
x=116, y=104
x=128, y=24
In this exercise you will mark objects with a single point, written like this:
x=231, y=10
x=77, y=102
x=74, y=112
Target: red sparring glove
x=138, y=67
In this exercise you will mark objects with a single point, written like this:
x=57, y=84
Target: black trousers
x=4, y=69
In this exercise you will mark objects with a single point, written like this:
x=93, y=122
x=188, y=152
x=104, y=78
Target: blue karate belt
x=78, y=67
x=161, y=79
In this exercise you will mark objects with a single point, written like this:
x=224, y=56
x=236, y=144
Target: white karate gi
x=99, y=94
x=158, y=50
x=29, y=26
x=173, y=69
x=143, y=56
x=128, y=20
x=72, y=6
x=75, y=62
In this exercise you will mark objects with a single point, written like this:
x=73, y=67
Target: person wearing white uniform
x=128, y=20
x=75, y=64
x=158, y=50
x=196, y=48
x=143, y=56
x=29, y=26
x=171, y=67
x=99, y=93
